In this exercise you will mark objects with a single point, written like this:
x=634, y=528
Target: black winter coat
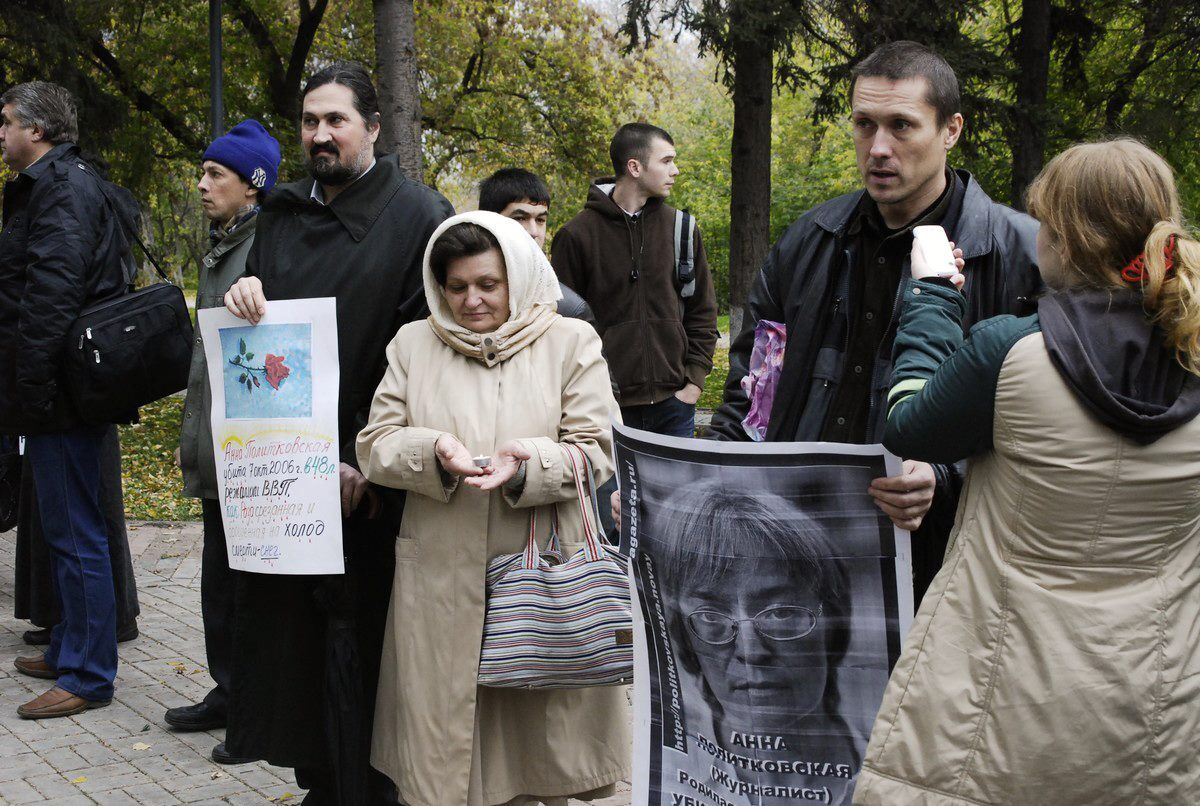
x=797, y=285
x=61, y=250
x=306, y=648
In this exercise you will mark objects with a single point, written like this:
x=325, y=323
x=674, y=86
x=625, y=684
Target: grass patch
x=153, y=484
x=714, y=385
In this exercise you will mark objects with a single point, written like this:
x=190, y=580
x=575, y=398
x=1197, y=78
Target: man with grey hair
x=61, y=250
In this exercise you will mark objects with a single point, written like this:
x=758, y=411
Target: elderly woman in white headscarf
x=493, y=371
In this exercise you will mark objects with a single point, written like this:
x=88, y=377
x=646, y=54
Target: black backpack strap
x=128, y=230
x=685, y=263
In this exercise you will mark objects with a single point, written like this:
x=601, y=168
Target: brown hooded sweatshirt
x=655, y=341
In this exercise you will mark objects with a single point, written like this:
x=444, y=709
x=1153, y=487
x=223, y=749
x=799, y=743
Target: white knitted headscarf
x=533, y=292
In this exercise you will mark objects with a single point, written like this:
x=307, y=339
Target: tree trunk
x=750, y=172
x=396, y=75
x=1028, y=137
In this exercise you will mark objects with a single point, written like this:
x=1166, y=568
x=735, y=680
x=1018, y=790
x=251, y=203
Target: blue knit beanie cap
x=250, y=151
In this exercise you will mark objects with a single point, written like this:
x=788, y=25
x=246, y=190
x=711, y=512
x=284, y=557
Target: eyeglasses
x=778, y=623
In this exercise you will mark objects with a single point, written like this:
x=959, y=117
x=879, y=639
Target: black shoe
x=37, y=637
x=42, y=637
x=200, y=716
x=223, y=756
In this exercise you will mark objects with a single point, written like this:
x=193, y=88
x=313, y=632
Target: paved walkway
x=124, y=753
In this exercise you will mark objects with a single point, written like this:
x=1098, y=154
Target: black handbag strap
x=128, y=231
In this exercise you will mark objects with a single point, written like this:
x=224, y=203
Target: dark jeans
x=83, y=646
x=217, y=586
x=671, y=417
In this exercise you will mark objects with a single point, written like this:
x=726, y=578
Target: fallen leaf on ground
x=140, y=746
x=217, y=774
x=81, y=779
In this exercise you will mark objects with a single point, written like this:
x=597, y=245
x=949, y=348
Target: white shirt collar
x=318, y=195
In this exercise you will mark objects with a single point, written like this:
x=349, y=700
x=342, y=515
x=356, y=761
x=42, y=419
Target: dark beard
x=331, y=172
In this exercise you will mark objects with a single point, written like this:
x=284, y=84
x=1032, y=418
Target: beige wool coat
x=1056, y=657
x=440, y=738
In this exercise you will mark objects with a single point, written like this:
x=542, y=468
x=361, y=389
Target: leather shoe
x=55, y=703
x=42, y=637
x=223, y=756
x=36, y=666
x=36, y=637
x=200, y=716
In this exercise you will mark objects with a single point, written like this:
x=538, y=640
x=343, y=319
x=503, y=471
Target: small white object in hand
x=482, y=461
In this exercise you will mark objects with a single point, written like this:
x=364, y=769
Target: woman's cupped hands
x=456, y=460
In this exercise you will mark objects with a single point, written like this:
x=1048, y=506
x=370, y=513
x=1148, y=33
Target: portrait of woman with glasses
x=760, y=618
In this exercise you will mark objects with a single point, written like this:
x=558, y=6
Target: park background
x=753, y=91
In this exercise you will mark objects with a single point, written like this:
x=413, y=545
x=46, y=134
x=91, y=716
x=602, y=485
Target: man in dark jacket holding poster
x=836, y=277
x=306, y=648
x=62, y=249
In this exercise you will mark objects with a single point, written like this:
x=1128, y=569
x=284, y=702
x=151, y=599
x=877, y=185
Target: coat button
x=916, y=291
x=858, y=369
x=488, y=342
x=841, y=420
x=881, y=260
x=199, y=340
x=491, y=356
x=870, y=316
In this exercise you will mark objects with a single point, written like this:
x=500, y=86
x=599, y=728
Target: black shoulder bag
x=129, y=350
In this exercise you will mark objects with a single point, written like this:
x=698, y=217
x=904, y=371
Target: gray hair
x=45, y=106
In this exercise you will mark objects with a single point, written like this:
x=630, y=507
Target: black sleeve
x=62, y=242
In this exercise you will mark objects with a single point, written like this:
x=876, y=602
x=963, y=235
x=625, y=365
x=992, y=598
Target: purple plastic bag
x=760, y=383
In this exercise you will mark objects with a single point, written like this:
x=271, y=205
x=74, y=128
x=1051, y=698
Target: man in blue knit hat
x=239, y=169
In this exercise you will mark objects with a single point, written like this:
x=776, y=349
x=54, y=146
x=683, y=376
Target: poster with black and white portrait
x=772, y=597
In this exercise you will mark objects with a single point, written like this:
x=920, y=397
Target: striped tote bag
x=552, y=623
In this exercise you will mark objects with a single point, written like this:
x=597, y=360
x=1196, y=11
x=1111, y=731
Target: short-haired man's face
x=899, y=143
x=18, y=142
x=531, y=216
x=338, y=142
x=223, y=192
x=656, y=176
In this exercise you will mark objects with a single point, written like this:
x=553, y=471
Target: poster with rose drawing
x=267, y=371
x=275, y=435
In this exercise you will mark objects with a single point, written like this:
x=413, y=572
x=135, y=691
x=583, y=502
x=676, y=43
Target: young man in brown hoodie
x=619, y=254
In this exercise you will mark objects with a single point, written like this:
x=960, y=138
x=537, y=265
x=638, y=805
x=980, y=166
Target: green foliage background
x=544, y=83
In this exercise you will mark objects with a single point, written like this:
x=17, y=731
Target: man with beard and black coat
x=307, y=648
x=836, y=277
